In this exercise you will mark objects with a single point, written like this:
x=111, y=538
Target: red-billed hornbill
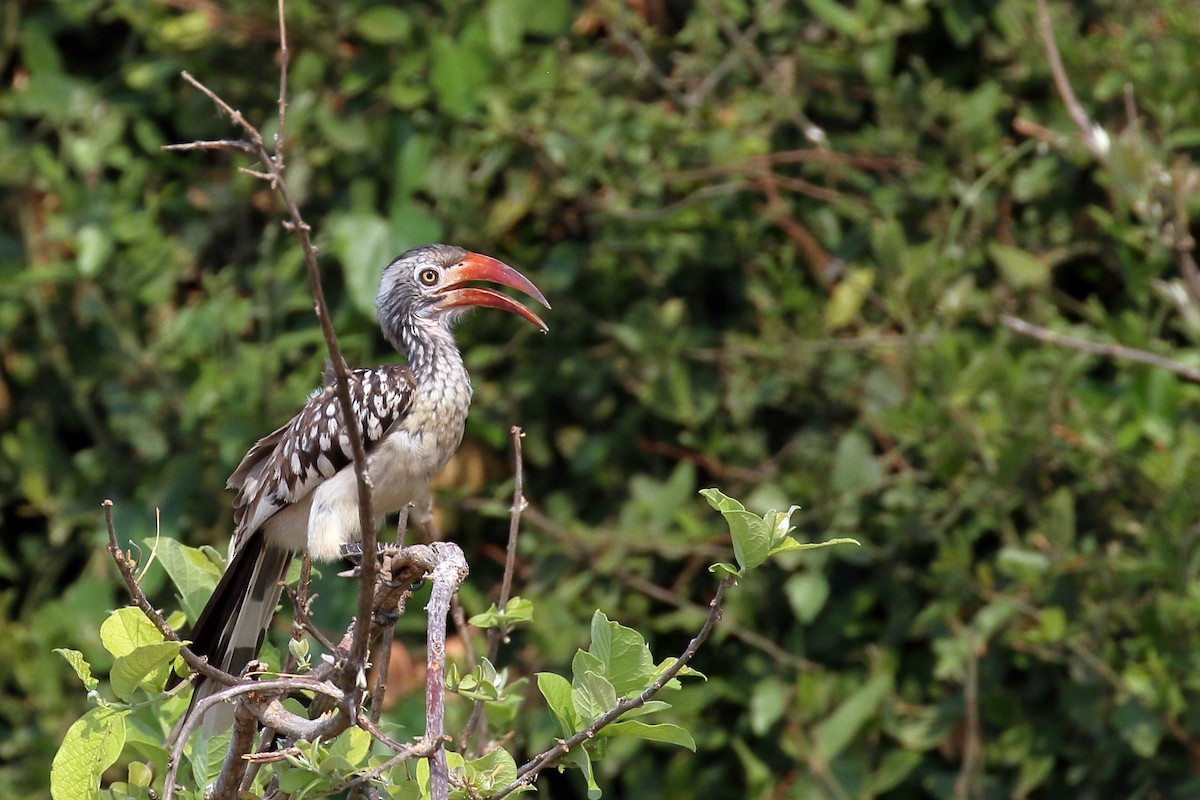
x=296, y=488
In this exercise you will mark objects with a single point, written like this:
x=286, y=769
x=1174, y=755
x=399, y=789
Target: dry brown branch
x=495, y=635
x=1109, y=350
x=530, y=770
x=233, y=771
x=274, y=172
x=1092, y=135
x=273, y=714
x=140, y=600
x=446, y=577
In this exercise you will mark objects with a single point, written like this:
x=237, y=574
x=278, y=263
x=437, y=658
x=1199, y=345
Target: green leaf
x=750, y=534
x=847, y=299
x=659, y=732
x=837, y=16
x=131, y=669
x=492, y=772
x=90, y=746
x=384, y=25
x=208, y=756
x=855, y=468
x=361, y=242
x=127, y=629
x=592, y=694
x=807, y=593
x=353, y=746
x=557, y=691
x=791, y=544
x=622, y=652
x=82, y=668
x=843, y=724
x=482, y=683
x=192, y=571
x=94, y=246
x=458, y=74
x=1021, y=269
x=516, y=611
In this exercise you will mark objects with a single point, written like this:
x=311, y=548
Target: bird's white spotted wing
x=284, y=466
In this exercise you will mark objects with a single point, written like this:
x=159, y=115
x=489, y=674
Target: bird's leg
x=352, y=551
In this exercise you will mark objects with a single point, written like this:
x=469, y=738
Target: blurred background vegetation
x=778, y=236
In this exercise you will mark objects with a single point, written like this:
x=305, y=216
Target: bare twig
x=1093, y=136
x=1110, y=350
x=140, y=600
x=272, y=714
x=495, y=635
x=750, y=637
x=384, y=659
x=967, y=784
x=529, y=771
x=283, y=74
x=447, y=576
x=228, y=782
x=273, y=171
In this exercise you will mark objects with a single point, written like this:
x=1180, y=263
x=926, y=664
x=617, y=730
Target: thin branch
x=274, y=171
x=495, y=635
x=447, y=576
x=384, y=659
x=279, y=718
x=1089, y=132
x=215, y=144
x=197, y=663
x=420, y=748
x=1110, y=350
x=283, y=72
x=229, y=781
x=529, y=771
x=967, y=784
x=747, y=636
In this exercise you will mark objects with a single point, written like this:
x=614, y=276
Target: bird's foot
x=352, y=551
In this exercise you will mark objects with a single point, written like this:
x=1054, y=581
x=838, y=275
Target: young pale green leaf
x=660, y=732
x=623, y=655
x=90, y=746
x=724, y=567
x=191, y=570
x=842, y=725
x=482, y=683
x=82, y=668
x=792, y=544
x=649, y=707
x=750, y=533
x=557, y=691
x=592, y=694
x=131, y=669
x=516, y=611
x=127, y=629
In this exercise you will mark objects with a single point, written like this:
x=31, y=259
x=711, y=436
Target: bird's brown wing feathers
x=286, y=465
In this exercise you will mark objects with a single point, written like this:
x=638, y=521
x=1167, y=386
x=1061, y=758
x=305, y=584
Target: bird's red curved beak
x=476, y=267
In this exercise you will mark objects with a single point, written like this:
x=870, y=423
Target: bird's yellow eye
x=429, y=276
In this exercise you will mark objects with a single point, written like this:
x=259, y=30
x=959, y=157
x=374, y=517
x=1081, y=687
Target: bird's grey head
x=425, y=290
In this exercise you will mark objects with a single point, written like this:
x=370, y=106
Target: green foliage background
x=819, y=328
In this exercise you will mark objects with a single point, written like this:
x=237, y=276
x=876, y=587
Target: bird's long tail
x=231, y=628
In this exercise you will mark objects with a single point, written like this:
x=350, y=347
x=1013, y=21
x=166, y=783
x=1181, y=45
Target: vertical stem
x=446, y=578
